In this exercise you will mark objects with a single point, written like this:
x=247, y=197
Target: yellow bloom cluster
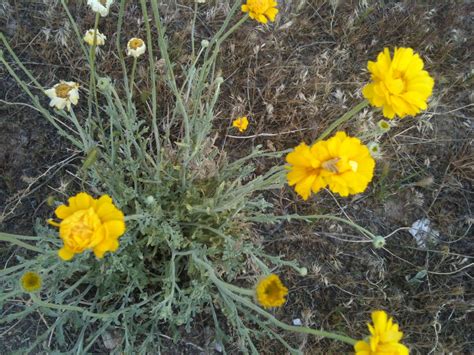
x=384, y=337
x=261, y=10
x=271, y=292
x=400, y=85
x=89, y=224
x=342, y=163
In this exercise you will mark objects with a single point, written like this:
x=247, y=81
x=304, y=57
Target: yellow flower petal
x=270, y=292
x=115, y=228
x=65, y=254
x=384, y=337
x=261, y=10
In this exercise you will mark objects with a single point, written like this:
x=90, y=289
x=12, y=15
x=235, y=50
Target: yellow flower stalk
x=89, y=224
x=261, y=10
x=384, y=337
x=241, y=123
x=63, y=95
x=31, y=281
x=399, y=85
x=271, y=292
x=341, y=163
x=100, y=6
x=99, y=38
x=135, y=47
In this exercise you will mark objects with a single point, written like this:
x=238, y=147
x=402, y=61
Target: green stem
x=11, y=269
x=10, y=238
x=132, y=75
x=92, y=88
x=152, y=67
x=243, y=291
x=344, y=118
x=269, y=219
x=8, y=295
x=76, y=29
x=193, y=29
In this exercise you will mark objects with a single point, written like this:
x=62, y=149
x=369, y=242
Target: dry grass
x=299, y=75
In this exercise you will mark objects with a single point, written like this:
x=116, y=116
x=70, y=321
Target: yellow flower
x=31, y=281
x=89, y=224
x=261, y=10
x=241, y=123
x=64, y=94
x=400, y=85
x=100, y=6
x=343, y=163
x=135, y=47
x=271, y=292
x=99, y=38
x=384, y=338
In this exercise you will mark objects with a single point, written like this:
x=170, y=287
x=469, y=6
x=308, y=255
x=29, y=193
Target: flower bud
x=378, y=242
x=149, y=200
x=103, y=84
x=204, y=43
x=303, y=271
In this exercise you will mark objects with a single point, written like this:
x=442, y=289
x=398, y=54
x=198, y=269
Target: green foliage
x=187, y=212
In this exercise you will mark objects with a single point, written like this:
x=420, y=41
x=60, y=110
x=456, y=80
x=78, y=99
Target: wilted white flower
x=63, y=95
x=89, y=38
x=100, y=6
x=204, y=43
x=135, y=47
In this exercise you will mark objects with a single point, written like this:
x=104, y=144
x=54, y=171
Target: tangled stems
x=231, y=290
x=63, y=307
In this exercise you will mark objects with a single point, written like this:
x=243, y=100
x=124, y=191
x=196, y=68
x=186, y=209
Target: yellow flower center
x=31, y=281
x=273, y=291
x=103, y=2
x=62, y=90
x=135, y=43
x=78, y=230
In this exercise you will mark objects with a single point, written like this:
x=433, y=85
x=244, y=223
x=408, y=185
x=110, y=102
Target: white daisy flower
x=100, y=6
x=135, y=47
x=63, y=95
x=89, y=38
